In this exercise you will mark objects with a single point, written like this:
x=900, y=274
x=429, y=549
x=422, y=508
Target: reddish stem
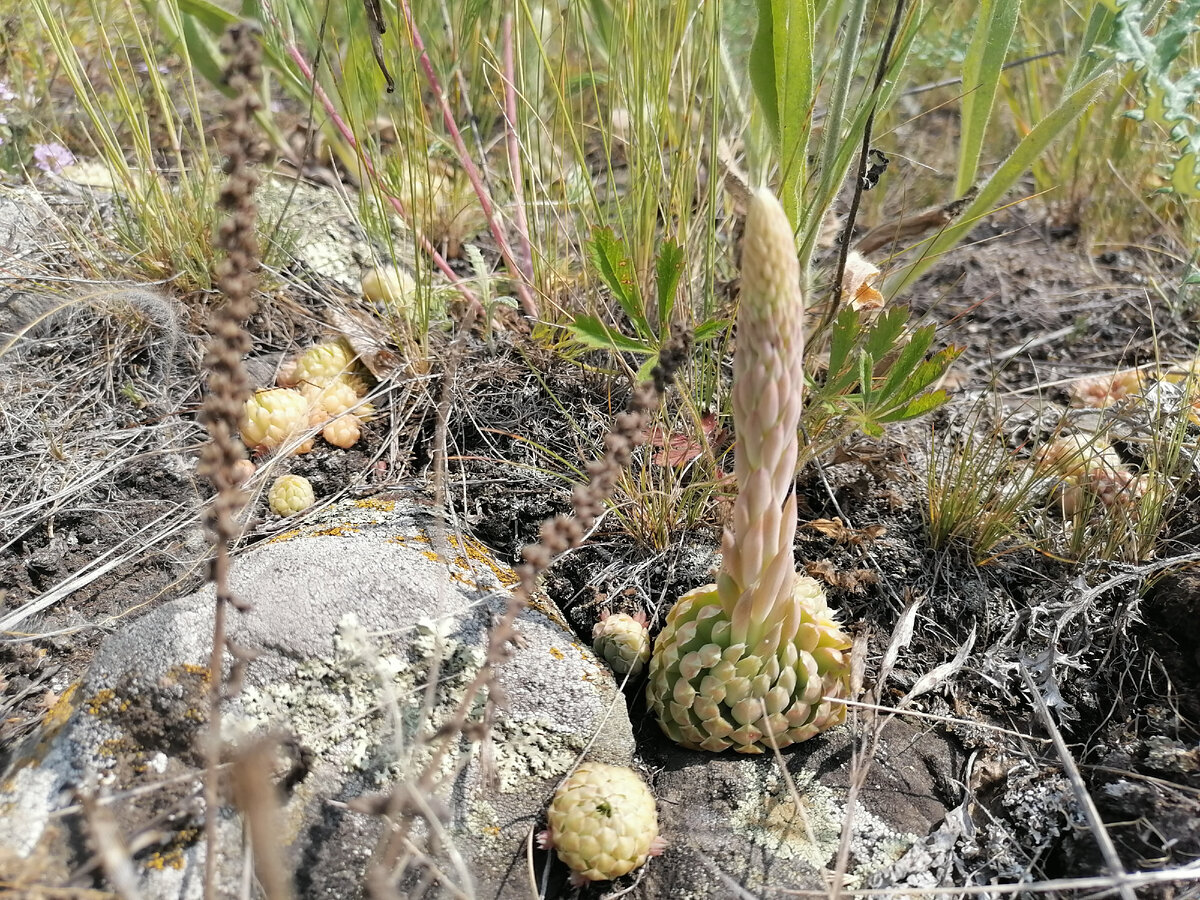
x=514, y=154
x=369, y=165
x=464, y=157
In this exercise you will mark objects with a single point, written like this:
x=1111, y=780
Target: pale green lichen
x=348, y=706
x=532, y=748
x=812, y=830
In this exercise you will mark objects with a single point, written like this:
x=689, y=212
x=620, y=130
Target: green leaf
x=926, y=374
x=616, y=269
x=643, y=372
x=210, y=15
x=794, y=37
x=845, y=330
x=906, y=362
x=762, y=67
x=995, y=23
x=591, y=331
x=709, y=329
x=926, y=403
x=669, y=269
x=886, y=332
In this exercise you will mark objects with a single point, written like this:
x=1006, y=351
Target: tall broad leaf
x=781, y=73
x=994, y=26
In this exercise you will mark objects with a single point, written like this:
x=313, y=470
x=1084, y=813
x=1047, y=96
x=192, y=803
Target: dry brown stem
x=228, y=385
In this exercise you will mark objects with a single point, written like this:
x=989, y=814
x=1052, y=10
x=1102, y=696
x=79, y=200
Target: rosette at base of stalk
x=714, y=695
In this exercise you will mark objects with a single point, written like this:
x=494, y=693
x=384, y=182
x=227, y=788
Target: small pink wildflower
x=6, y=93
x=52, y=157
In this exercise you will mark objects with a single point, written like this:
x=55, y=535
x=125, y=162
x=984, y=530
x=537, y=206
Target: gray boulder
x=368, y=623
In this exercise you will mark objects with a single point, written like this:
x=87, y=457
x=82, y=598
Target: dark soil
x=1120, y=669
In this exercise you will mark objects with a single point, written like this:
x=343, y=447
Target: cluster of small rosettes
x=1092, y=476
x=320, y=390
x=1099, y=391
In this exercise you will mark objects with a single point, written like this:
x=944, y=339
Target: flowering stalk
x=758, y=564
x=757, y=660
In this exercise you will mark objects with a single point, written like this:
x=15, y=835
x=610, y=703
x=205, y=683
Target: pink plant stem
x=514, y=154
x=464, y=157
x=348, y=134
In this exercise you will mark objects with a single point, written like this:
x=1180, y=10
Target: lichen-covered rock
x=737, y=820
x=355, y=614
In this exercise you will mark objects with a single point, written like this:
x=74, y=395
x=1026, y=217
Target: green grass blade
x=833, y=129
x=996, y=22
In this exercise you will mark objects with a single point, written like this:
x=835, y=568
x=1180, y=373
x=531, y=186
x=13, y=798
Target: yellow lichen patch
x=336, y=531
x=541, y=603
x=171, y=856
x=175, y=673
x=114, y=747
x=557, y=654
x=284, y=536
x=105, y=698
x=57, y=715
x=381, y=505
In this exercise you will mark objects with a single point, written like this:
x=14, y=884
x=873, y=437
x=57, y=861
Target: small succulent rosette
x=603, y=823
x=622, y=641
x=290, y=494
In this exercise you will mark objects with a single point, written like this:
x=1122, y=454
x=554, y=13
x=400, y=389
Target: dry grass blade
x=1095, y=823
x=111, y=849
x=256, y=795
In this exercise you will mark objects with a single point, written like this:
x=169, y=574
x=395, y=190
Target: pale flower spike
x=758, y=659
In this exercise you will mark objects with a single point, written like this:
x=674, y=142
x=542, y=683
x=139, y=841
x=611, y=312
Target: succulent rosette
x=603, y=822
x=623, y=642
x=757, y=659
x=320, y=364
x=272, y=418
x=290, y=494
